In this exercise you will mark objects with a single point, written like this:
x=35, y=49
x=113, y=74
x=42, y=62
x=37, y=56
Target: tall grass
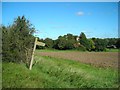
x=48, y=72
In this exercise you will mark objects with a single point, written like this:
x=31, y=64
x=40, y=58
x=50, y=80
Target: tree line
x=18, y=41
x=81, y=42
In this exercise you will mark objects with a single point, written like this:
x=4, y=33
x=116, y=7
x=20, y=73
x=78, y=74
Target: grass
x=51, y=50
x=50, y=72
x=112, y=50
x=55, y=50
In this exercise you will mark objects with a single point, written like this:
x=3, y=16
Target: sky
x=52, y=19
x=60, y=0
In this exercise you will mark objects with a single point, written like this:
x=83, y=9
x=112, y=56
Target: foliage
x=65, y=42
x=70, y=44
x=118, y=43
x=70, y=41
x=92, y=44
x=48, y=43
x=17, y=41
x=81, y=48
x=84, y=41
x=111, y=41
x=61, y=43
x=81, y=43
x=100, y=44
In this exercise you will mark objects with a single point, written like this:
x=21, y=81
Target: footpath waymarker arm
x=31, y=62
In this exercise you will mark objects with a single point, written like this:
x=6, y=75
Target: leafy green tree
x=84, y=41
x=69, y=36
x=92, y=44
x=5, y=43
x=41, y=40
x=65, y=42
x=48, y=42
x=18, y=41
x=100, y=44
x=70, y=44
x=70, y=41
x=61, y=43
x=111, y=41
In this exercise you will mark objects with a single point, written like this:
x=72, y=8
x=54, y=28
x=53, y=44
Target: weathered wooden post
x=31, y=62
x=32, y=58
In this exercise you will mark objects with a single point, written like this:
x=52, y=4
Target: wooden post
x=31, y=62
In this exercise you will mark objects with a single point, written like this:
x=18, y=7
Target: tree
x=118, y=43
x=48, y=42
x=111, y=41
x=61, y=43
x=6, y=54
x=100, y=44
x=65, y=42
x=18, y=41
x=70, y=41
x=70, y=44
x=92, y=44
x=84, y=41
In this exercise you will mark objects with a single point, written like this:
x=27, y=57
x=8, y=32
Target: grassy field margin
x=49, y=72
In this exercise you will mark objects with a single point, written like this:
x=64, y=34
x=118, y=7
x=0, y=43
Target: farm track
x=101, y=59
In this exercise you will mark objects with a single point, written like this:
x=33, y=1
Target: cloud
x=80, y=13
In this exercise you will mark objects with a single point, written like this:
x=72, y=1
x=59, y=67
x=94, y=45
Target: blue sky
x=52, y=19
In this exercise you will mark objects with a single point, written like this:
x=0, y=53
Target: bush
x=18, y=41
x=81, y=48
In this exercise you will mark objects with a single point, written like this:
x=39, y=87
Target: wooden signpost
x=40, y=43
x=35, y=43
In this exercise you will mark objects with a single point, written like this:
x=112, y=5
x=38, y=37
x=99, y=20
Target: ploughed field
x=101, y=59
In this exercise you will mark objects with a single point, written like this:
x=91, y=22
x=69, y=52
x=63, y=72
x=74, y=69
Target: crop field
x=101, y=59
x=62, y=69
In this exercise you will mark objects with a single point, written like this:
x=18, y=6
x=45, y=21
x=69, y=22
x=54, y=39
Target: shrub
x=81, y=48
x=18, y=41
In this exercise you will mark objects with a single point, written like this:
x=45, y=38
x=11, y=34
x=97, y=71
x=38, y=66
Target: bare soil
x=101, y=59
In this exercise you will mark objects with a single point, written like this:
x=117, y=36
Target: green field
x=49, y=72
x=51, y=50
